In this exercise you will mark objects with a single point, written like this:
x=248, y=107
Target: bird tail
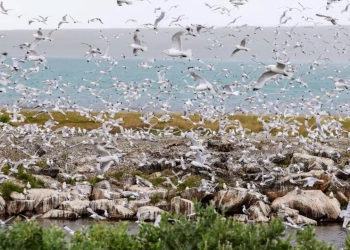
x=144, y=49
x=288, y=74
x=188, y=53
x=247, y=49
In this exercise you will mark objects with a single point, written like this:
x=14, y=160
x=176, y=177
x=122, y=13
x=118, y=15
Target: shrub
x=27, y=177
x=8, y=187
x=209, y=231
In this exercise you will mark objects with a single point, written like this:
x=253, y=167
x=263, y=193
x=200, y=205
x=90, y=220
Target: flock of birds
x=15, y=77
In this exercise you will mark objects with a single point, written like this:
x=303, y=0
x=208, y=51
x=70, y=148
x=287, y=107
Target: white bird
x=346, y=215
x=245, y=211
x=203, y=84
x=310, y=181
x=121, y=2
x=3, y=10
x=95, y=215
x=176, y=46
x=64, y=20
x=160, y=18
x=328, y=18
x=272, y=70
x=242, y=46
x=137, y=45
x=70, y=231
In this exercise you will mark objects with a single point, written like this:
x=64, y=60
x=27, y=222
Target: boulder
x=296, y=217
x=121, y=212
x=50, y=171
x=63, y=177
x=136, y=204
x=149, y=212
x=232, y=200
x=240, y=217
x=313, y=204
x=45, y=199
x=128, y=180
x=86, y=189
x=179, y=205
x=326, y=163
x=101, y=205
x=2, y=206
x=99, y=193
x=329, y=152
x=162, y=193
x=17, y=196
x=19, y=206
x=164, y=205
x=77, y=206
x=194, y=193
x=103, y=185
x=48, y=181
x=259, y=212
x=59, y=214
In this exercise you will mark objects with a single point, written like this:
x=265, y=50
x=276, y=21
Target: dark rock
x=50, y=171
x=39, y=150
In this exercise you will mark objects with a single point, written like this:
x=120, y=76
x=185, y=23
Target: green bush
x=8, y=187
x=209, y=231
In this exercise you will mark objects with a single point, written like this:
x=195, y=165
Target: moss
x=8, y=187
x=4, y=119
x=93, y=180
x=156, y=198
x=190, y=182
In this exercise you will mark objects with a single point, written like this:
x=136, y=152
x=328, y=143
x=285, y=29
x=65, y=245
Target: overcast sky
x=254, y=12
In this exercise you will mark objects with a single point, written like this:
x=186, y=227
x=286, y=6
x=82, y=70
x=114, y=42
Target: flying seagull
x=137, y=45
x=241, y=46
x=176, y=46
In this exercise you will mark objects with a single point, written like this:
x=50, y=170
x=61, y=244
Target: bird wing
x=281, y=65
x=39, y=32
x=197, y=77
x=176, y=40
x=91, y=211
x=323, y=16
x=52, y=31
x=235, y=51
x=105, y=166
x=101, y=150
x=87, y=45
x=2, y=6
x=160, y=18
x=291, y=220
x=135, y=52
x=137, y=39
x=263, y=79
x=243, y=42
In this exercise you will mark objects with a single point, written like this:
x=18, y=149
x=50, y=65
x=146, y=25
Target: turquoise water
x=287, y=93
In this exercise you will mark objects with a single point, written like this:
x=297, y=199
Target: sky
x=254, y=13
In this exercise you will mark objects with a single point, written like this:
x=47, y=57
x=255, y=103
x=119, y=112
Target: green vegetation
x=132, y=120
x=209, y=231
x=8, y=187
x=26, y=177
x=4, y=119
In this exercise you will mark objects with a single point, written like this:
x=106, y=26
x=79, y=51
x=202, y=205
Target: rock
x=240, y=217
x=163, y=204
x=39, y=150
x=59, y=214
x=313, y=204
x=259, y=212
x=49, y=181
x=103, y=185
x=232, y=200
x=299, y=219
x=252, y=168
x=2, y=206
x=101, y=205
x=136, y=204
x=326, y=163
x=179, y=205
x=86, y=189
x=50, y=171
x=193, y=193
x=121, y=212
x=19, y=206
x=77, y=206
x=329, y=152
x=45, y=199
x=98, y=193
x=63, y=177
x=143, y=182
x=17, y=196
x=151, y=211
x=162, y=193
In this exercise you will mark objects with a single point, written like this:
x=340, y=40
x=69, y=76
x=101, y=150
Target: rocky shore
x=157, y=176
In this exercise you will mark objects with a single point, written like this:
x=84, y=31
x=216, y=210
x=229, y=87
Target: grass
x=8, y=187
x=132, y=120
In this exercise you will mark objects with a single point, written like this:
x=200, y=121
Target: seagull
x=3, y=223
x=233, y=21
x=95, y=215
x=329, y=18
x=137, y=45
x=245, y=211
x=70, y=231
x=160, y=18
x=95, y=20
x=346, y=215
x=64, y=20
x=176, y=46
x=241, y=46
x=121, y=2
x=3, y=10
x=203, y=83
x=310, y=181
x=272, y=70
